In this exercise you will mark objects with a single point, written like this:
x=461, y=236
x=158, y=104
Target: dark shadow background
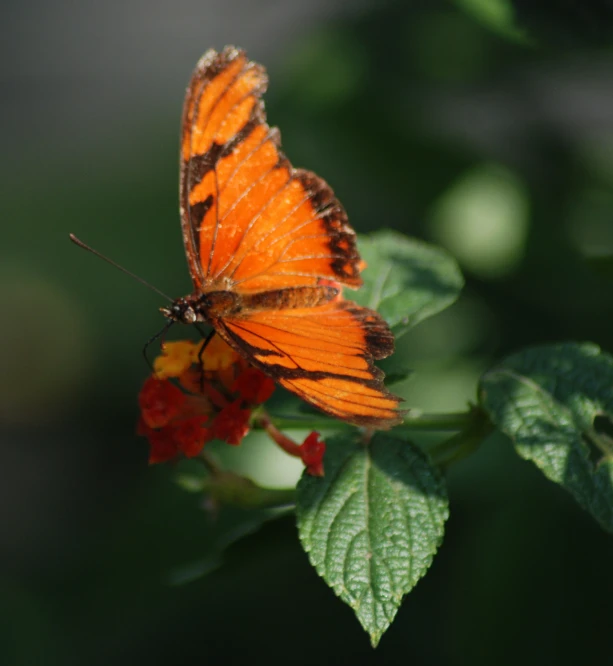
x=477, y=125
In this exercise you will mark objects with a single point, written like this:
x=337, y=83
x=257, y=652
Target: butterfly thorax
x=211, y=305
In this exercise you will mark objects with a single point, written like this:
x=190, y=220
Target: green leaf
x=396, y=369
x=237, y=507
x=229, y=525
x=406, y=280
x=372, y=525
x=497, y=15
x=546, y=399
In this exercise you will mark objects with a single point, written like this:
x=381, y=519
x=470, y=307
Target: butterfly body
x=206, y=307
x=269, y=248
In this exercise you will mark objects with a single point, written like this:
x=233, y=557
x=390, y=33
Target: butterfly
x=269, y=248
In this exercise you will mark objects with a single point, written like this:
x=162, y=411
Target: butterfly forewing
x=248, y=217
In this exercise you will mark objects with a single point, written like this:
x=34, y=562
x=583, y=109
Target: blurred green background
x=485, y=126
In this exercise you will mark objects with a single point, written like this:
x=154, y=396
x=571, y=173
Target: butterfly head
x=181, y=310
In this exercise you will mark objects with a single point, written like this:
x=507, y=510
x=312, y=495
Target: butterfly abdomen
x=212, y=305
x=294, y=297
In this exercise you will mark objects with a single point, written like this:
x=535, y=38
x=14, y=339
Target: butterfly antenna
x=83, y=245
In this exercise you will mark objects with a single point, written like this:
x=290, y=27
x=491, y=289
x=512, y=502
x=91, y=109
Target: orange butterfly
x=268, y=248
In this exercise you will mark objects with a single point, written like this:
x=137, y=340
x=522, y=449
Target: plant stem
x=420, y=422
x=463, y=443
x=227, y=487
x=437, y=421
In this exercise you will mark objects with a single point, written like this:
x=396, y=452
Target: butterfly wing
x=324, y=355
x=250, y=221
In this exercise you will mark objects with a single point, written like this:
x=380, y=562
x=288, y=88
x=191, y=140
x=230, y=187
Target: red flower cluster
x=214, y=398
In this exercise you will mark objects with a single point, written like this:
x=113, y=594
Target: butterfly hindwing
x=324, y=355
x=250, y=221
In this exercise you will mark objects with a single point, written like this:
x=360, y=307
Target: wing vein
x=281, y=352
x=241, y=198
x=250, y=226
x=190, y=169
x=282, y=221
x=221, y=126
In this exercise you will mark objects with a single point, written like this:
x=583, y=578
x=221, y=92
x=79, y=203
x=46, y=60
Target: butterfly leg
x=159, y=334
x=207, y=338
